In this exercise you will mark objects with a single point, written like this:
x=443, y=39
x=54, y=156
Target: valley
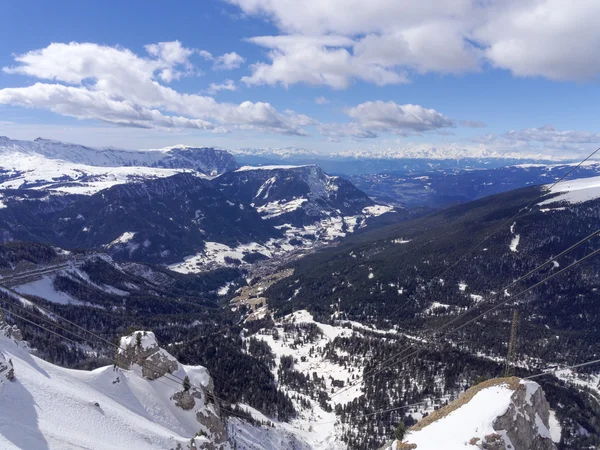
x=318, y=312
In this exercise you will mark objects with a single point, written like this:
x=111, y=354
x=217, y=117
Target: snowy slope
x=49, y=407
x=70, y=168
x=476, y=419
x=574, y=191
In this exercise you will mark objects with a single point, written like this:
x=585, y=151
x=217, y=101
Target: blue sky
x=390, y=74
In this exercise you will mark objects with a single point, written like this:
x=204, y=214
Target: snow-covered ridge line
x=423, y=152
x=573, y=191
x=273, y=167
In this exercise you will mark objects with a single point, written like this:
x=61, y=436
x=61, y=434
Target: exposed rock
x=526, y=422
x=145, y=352
x=498, y=414
x=9, y=331
x=7, y=372
x=141, y=349
x=184, y=400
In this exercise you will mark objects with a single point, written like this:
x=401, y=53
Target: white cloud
x=321, y=101
x=473, y=124
x=228, y=61
x=400, y=119
x=555, y=39
x=549, y=134
x=298, y=59
x=545, y=140
x=372, y=118
x=332, y=42
x=114, y=85
x=228, y=85
x=206, y=55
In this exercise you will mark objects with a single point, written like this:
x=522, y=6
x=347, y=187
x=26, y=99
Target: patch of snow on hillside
x=400, y=241
x=574, y=191
x=44, y=288
x=277, y=208
x=377, y=210
x=555, y=428
x=274, y=167
x=123, y=239
x=462, y=287
x=515, y=242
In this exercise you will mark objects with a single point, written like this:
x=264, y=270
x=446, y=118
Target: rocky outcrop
x=526, y=422
x=498, y=414
x=9, y=331
x=184, y=400
x=140, y=351
x=141, y=348
x=7, y=372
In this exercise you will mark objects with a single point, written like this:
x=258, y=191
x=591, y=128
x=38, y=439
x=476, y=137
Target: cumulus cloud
x=115, y=85
x=400, y=119
x=228, y=85
x=369, y=119
x=299, y=59
x=332, y=42
x=321, y=101
x=473, y=124
x=228, y=61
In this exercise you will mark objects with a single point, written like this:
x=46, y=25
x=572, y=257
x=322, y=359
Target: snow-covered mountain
x=296, y=195
x=70, y=168
x=206, y=160
x=190, y=221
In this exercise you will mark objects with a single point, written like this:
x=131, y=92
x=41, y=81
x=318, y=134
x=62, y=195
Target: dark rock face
x=526, y=422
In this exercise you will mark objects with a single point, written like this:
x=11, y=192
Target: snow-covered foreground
x=49, y=407
x=473, y=422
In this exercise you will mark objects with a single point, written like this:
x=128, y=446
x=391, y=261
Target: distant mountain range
x=165, y=205
x=440, y=188
x=399, y=161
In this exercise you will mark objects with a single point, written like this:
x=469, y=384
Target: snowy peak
x=294, y=194
x=206, y=160
x=498, y=414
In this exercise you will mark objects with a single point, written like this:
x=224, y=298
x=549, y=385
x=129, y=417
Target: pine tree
x=400, y=431
x=186, y=383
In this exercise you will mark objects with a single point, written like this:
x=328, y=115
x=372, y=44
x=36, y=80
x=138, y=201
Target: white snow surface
x=50, y=407
x=574, y=191
x=273, y=167
x=123, y=239
x=475, y=419
x=377, y=210
x=44, y=288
